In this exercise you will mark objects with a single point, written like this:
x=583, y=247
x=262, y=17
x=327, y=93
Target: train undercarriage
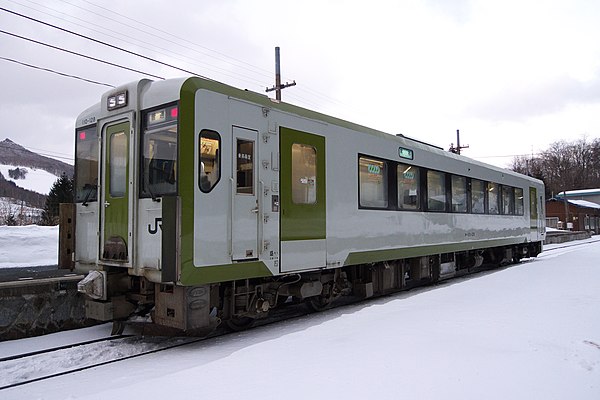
x=198, y=310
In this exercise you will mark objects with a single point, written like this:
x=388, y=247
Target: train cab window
x=519, y=205
x=508, y=200
x=436, y=191
x=373, y=183
x=408, y=187
x=210, y=160
x=304, y=174
x=459, y=194
x=86, y=165
x=477, y=196
x=493, y=198
x=158, y=171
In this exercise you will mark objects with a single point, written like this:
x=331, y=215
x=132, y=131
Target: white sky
x=512, y=75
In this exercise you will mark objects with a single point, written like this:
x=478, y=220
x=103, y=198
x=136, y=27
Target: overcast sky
x=512, y=75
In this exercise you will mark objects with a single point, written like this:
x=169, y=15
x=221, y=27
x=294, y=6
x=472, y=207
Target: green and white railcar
x=205, y=203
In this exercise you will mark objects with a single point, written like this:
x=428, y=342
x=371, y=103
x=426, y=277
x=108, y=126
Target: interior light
x=82, y=135
x=174, y=112
x=407, y=169
x=157, y=116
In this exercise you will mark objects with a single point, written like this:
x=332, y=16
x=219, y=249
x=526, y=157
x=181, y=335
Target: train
x=200, y=204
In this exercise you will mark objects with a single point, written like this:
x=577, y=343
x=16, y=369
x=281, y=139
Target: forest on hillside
x=564, y=166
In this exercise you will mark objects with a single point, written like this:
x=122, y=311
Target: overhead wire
x=56, y=72
x=222, y=57
x=101, y=42
x=79, y=54
x=154, y=47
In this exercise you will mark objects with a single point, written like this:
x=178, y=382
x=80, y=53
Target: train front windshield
x=158, y=170
x=86, y=164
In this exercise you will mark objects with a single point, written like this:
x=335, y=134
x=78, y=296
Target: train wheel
x=238, y=324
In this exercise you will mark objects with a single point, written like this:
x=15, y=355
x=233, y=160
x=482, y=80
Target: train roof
x=152, y=93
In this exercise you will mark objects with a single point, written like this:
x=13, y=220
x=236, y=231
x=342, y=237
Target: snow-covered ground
x=531, y=331
x=26, y=246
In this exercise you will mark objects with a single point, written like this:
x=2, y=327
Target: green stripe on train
x=366, y=257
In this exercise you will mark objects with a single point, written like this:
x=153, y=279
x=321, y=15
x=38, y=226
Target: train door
x=114, y=244
x=244, y=229
x=536, y=212
x=303, y=209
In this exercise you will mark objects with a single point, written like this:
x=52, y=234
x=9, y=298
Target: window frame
x=294, y=171
x=444, y=181
x=218, y=158
x=143, y=192
x=388, y=179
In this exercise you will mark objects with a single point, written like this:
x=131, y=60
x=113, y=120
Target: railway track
x=37, y=366
x=49, y=363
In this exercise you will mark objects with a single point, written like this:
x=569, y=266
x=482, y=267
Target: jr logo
x=157, y=224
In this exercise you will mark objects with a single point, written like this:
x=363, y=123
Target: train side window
x=408, y=187
x=493, y=198
x=519, y=204
x=373, y=183
x=508, y=200
x=477, y=196
x=304, y=174
x=210, y=160
x=436, y=191
x=459, y=194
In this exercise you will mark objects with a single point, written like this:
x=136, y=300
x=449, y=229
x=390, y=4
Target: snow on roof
x=584, y=203
x=582, y=192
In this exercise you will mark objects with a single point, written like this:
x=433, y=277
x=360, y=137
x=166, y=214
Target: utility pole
x=456, y=150
x=278, y=86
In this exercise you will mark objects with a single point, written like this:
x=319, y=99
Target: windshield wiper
x=89, y=190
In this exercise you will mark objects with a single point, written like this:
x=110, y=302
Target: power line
x=154, y=47
x=100, y=42
x=225, y=57
x=80, y=55
x=56, y=72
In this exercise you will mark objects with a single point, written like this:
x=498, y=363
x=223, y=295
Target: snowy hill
x=25, y=180
x=36, y=180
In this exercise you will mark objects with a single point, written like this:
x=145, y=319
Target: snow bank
x=27, y=246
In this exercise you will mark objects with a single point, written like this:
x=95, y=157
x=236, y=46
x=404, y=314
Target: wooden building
x=582, y=215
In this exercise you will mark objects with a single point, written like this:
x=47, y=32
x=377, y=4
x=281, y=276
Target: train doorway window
x=86, y=165
x=304, y=174
x=210, y=160
x=118, y=164
x=477, y=196
x=245, y=166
